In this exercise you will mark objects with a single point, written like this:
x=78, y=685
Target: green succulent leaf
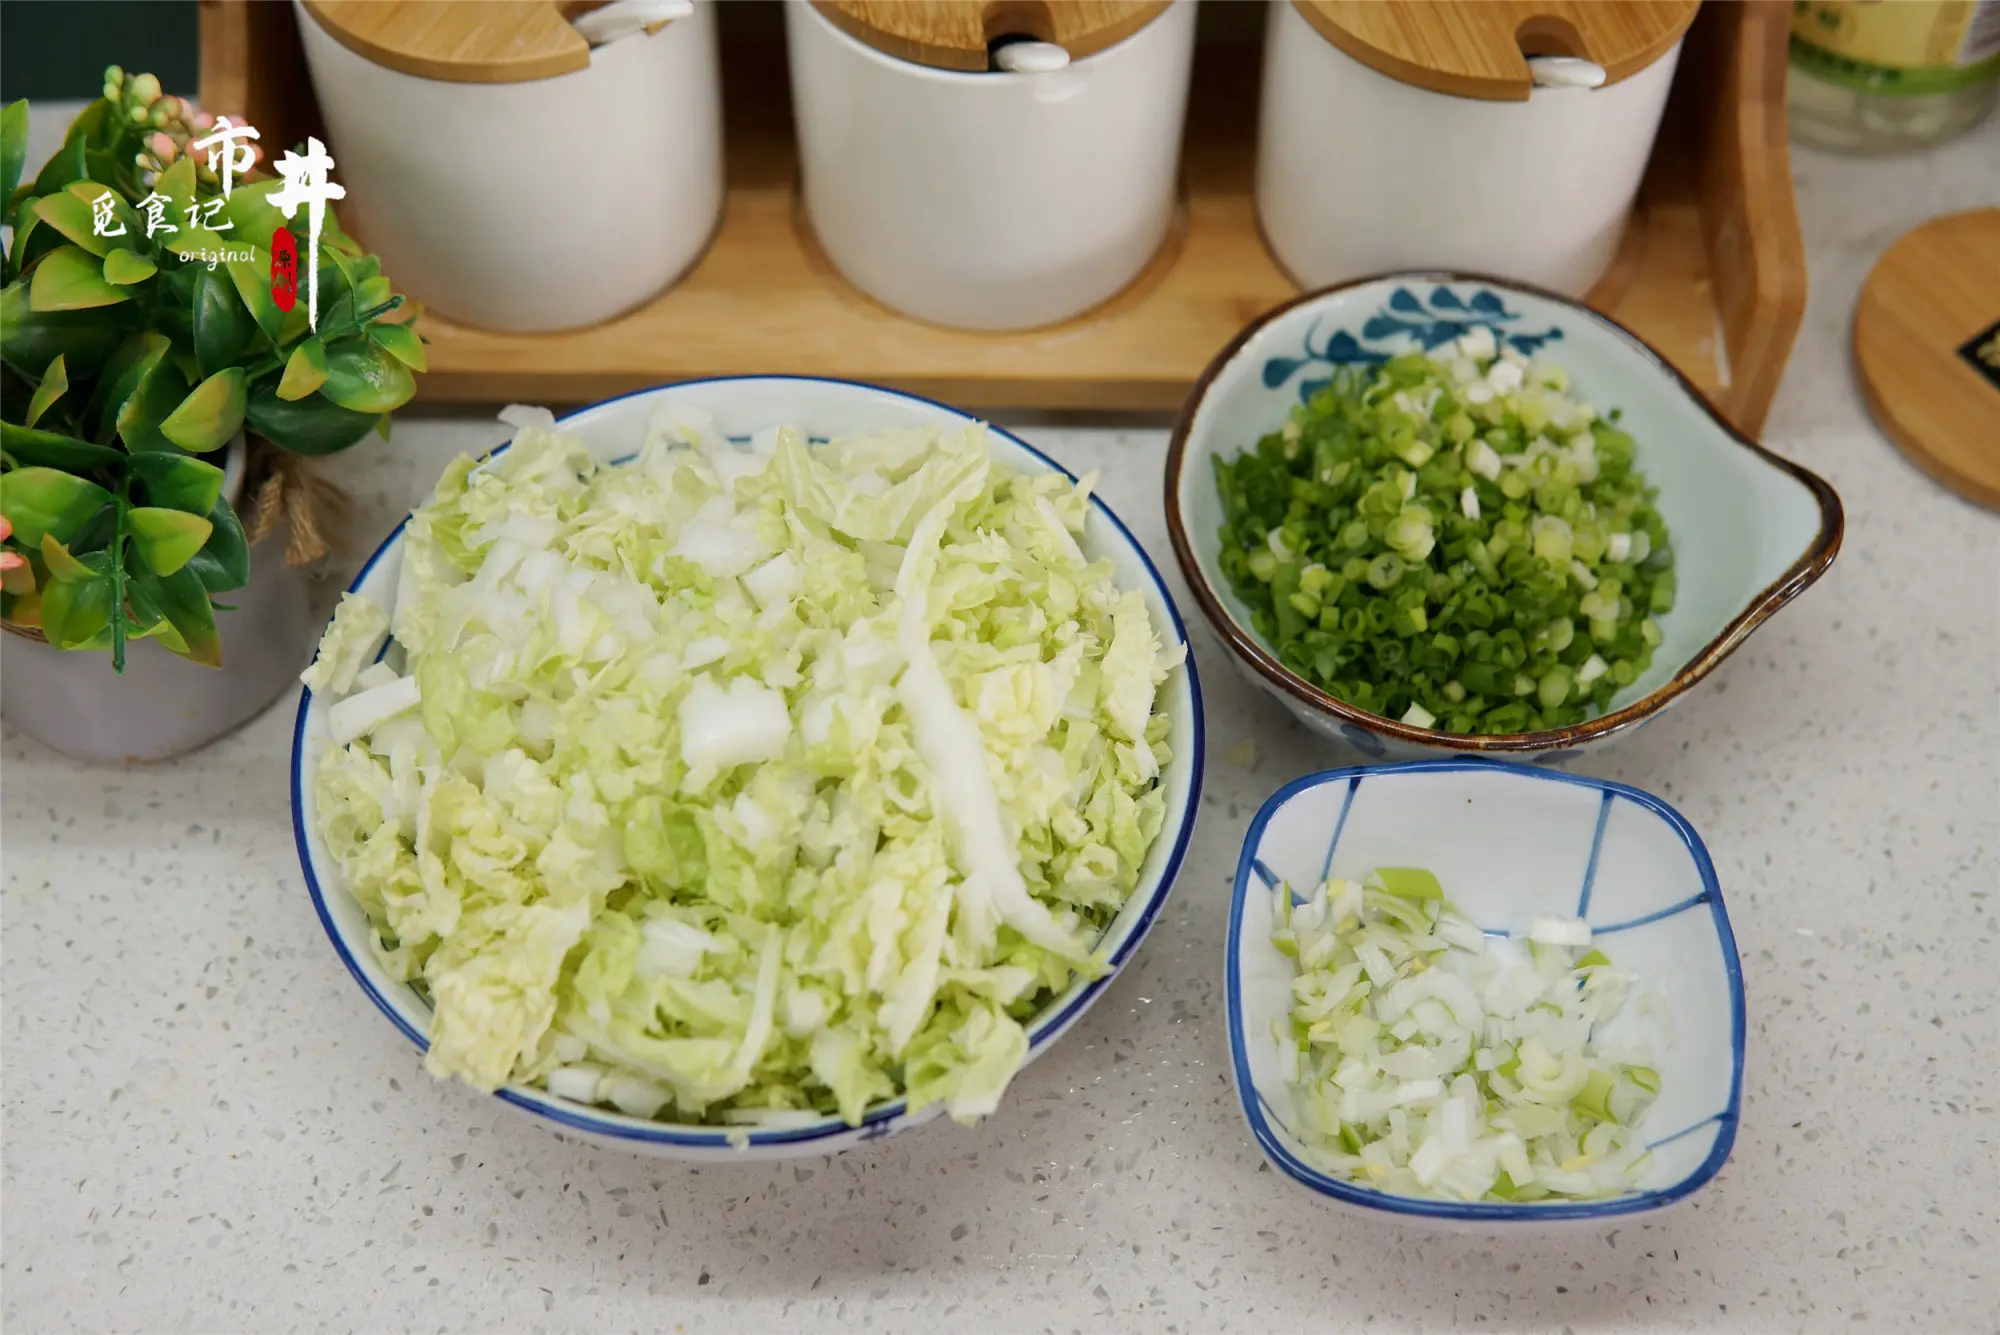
x=145, y=618
x=305, y=370
x=250, y=211
x=210, y=414
x=297, y=323
x=30, y=339
x=55, y=383
x=166, y=539
x=123, y=374
x=13, y=147
x=124, y=268
x=176, y=481
x=177, y=183
x=71, y=216
x=222, y=327
x=402, y=343
x=66, y=164
x=336, y=295
x=312, y=425
x=139, y=419
x=122, y=213
x=46, y=502
x=223, y=563
x=253, y=284
x=77, y=602
x=27, y=447
x=363, y=377
x=183, y=601
x=66, y=567
x=72, y=279
x=27, y=223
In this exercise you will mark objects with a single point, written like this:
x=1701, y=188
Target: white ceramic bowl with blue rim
x=1750, y=530
x=1509, y=844
x=741, y=406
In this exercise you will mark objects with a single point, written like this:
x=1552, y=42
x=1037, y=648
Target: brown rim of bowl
x=1801, y=573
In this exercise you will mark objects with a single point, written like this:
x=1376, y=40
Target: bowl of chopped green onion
x=1435, y=514
x=1477, y=995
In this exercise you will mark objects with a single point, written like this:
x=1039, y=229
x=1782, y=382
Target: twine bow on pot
x=283, y=487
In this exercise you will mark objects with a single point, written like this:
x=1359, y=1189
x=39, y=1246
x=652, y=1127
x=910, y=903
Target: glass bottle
x=1871, y=75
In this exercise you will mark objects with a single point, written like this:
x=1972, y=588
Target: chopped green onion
x=1458, y=521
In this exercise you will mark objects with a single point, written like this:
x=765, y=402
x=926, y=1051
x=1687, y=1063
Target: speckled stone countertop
x=208, y=1127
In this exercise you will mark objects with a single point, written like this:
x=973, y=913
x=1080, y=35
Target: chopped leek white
x=1427, y=1059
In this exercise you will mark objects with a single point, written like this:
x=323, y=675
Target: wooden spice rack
x=1711, y=271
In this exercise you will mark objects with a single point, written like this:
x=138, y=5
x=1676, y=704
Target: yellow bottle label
x=1898, y=46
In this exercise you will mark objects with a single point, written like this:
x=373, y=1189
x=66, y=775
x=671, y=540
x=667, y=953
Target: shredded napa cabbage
x=744, y=784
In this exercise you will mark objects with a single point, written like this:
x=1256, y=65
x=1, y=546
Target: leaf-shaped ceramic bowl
x=1510, y=844
x=1750, y=530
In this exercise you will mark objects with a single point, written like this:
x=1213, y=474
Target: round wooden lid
x=952, y=34
x=493, y=41
x=1927, y=346
x=1479, y=48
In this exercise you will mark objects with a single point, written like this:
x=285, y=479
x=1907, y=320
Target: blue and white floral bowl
x=741, y=406
x=1509, y=844
x=1750, y=530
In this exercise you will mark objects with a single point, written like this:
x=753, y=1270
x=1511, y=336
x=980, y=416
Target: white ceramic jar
x=990, y=200
x=1359, y=173
x=537, y=205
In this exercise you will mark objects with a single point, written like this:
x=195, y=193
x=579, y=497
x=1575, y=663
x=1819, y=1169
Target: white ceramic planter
x=990, y=200
x=163, y=705
x=1358, y=173
x=531, y=206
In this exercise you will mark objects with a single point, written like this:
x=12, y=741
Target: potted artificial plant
x=147, y=372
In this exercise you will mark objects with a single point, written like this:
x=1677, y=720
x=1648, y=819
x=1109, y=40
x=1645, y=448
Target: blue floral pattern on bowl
x=1406, y=321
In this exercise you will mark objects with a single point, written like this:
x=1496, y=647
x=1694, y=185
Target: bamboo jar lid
x=952, y=34
x=1927, y=347
x=461, y=41
x=1479, y=48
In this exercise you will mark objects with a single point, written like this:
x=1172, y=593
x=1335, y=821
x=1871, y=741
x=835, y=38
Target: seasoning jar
x=989, y=165
x=1888, y=76
x=1500, y=137
x=518, y=169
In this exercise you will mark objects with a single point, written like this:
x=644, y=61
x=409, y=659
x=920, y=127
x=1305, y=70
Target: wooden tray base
x=1711, y=271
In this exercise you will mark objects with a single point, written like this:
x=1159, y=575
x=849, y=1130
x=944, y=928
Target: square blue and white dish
x=1750, y=530
x=1509, y=844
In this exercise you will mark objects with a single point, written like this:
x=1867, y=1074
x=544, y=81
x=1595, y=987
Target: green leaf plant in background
x=138, y=336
